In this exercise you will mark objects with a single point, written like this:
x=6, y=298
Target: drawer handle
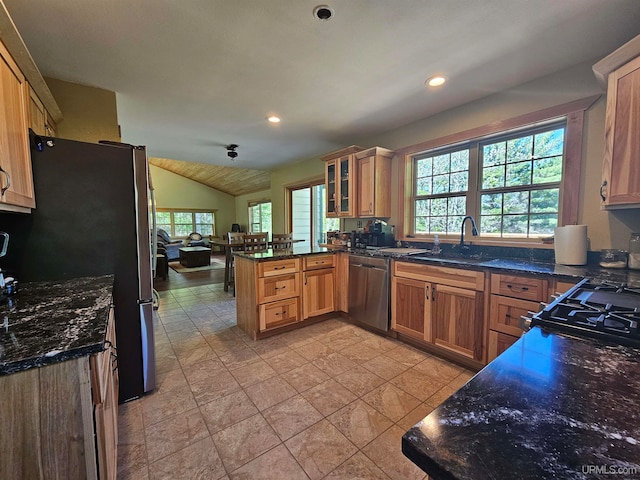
x=281, y=288
x=426, y=293
x=602, y=195
x=5, y=188
x=279, y=268
x=517, y=289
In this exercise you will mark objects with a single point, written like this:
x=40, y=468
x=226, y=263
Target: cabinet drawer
x=314, y=262
x=278, y=267
x=498, y=343
x=519, y=287
x=278, y=287
x=277, y=314
x=506, y=312
x=454, y=277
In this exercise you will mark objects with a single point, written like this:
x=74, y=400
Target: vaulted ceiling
x=192, y=76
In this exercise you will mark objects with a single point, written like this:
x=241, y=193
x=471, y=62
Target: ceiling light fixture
x=273, y=119
x=323, y=12
x=231, y=151
x=435, y=81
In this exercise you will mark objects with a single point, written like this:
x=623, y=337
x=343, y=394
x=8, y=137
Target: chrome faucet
x=474, y=232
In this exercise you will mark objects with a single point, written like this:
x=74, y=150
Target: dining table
x=230, y=247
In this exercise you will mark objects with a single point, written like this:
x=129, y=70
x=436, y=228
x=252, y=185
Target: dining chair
x=236, y=244
x=282, y=241
x=257, y=242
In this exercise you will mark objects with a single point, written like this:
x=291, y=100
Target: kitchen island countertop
x=49, y=322
x=551, y=406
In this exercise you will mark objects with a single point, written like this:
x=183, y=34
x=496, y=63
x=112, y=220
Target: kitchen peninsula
x=283, y=289
x=58, y=381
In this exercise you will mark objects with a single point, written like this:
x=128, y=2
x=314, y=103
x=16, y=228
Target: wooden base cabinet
x=441, y=306
x=278, y=293
x=319, y=285
x=104, y=369
x=512, y=296
x=60, y=420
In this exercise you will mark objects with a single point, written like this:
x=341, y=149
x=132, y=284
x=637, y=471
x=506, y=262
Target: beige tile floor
x=329, y=400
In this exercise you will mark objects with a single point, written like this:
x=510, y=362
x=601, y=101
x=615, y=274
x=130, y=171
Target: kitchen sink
x=458, y=260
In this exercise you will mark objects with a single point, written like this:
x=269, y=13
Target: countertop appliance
x=92, y=218
x=605, y=311
x=369, y=291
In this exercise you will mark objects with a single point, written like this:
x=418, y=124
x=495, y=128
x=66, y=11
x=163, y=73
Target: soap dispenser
x=436, y=245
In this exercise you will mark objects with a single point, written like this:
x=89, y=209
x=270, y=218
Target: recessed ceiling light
x=435, y=81
x=273, y=119
x=323, y=12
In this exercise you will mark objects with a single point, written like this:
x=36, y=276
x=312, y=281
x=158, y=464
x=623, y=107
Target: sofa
x=172, y=247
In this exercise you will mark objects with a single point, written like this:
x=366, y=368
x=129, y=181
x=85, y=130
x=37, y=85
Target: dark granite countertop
x=296, y=251
x=49, y=322
x=551, y=406
x=500, y=265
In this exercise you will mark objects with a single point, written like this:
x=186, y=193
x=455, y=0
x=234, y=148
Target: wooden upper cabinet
x=374, y=182
x=16, y=179
x=621, y=175
x=341, y=181
x=37, y=114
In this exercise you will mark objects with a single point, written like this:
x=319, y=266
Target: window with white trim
x=260, y=216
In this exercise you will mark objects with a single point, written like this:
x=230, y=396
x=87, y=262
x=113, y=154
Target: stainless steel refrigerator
x=92, y=218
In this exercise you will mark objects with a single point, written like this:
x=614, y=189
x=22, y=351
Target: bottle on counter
x=634, y=251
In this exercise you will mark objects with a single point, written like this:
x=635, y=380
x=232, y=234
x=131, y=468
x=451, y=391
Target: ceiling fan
x=231, y=151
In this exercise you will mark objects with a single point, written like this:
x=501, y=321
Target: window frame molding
x=192, y=211
x=573, y=113
x=255, y=203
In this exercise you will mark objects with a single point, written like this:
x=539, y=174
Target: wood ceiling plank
x=231, y=180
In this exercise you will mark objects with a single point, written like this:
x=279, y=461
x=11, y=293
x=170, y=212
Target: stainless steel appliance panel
x=369, y=291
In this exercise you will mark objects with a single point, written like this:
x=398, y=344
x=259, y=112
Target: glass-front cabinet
x=341, y=182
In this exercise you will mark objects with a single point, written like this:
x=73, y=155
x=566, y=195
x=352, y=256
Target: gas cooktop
x=605, y=311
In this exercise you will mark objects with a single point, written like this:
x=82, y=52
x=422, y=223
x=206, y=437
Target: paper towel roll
x=571, y=245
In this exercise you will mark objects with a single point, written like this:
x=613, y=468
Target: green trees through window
x=518, y=178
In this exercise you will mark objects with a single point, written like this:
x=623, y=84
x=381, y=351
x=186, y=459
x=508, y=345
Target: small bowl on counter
x=613, y=258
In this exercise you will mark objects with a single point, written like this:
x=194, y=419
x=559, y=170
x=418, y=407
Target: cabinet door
x=506, y=312
x=410, y=314
x=317, y=292
x=104, y=370
x=621, y=175
x=17, y=179
x=346, y=189
x=457, y=320
x=331, y=187
x=366, y=187
x=498, y=343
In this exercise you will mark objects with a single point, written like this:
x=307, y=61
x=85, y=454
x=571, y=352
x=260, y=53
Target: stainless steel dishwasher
x=369, y=291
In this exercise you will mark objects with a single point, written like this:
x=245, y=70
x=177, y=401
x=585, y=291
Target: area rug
x=216, y=264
